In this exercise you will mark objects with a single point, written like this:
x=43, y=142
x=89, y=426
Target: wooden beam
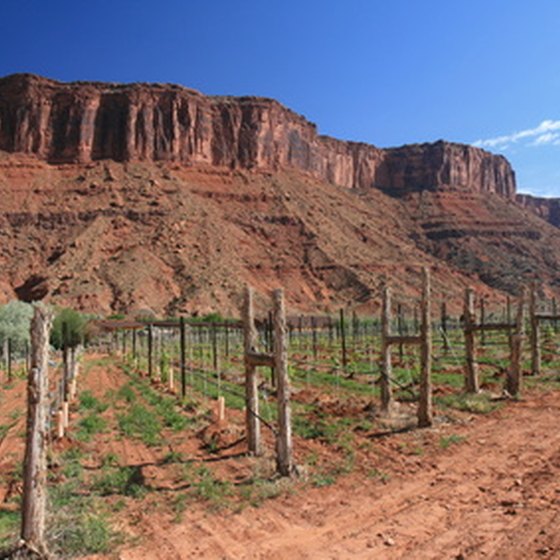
x=386, y=366
x=35, y=460
x=471, y=370
x=535, y=337
x=514, y=376
x=257, y=359
x=284, y=438
x=425, y=415
x=251, y=388
x=406, y=339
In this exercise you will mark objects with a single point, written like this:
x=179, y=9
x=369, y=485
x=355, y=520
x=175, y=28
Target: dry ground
x=485, y=487
x=496, y=494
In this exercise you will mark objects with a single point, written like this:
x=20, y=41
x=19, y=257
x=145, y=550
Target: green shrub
x=89, y=402
x=73, y=324
x=89, y=426
x=15, y=320
x=9, y=525
x=127, y=481
x=141, y=424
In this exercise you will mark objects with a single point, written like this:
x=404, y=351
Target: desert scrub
x=126, y=393
x=171, y=417
x=89, y=426
x=479, y=403
x=322, y=427
x=141, y=423
x=205, y=486
x=89, y=402
x=9, y=527
x=453, y=439
x=78, y=525
x=127, y=481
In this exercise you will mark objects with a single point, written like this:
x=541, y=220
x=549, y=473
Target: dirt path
x=494, y=495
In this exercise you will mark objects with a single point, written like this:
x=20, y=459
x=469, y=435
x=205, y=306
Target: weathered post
x=171, y=379
x=535, y=333
x=280, y=353
x=515, y=375
x=343, y=339
x=400, y=329
x=469, y=318
x=314, y=336
x=482, y=322
x=66, y=375
x=214, y=338
x=182, y=358
x=226, y=340
x=386, y=366
x=444, y=326
x=35, y=461
x=134, y=350
x=10, y=375
x=150, y=350
x=251, y=388
x=425, y=402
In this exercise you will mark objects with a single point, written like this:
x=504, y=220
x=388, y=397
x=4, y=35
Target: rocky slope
x=123, y=198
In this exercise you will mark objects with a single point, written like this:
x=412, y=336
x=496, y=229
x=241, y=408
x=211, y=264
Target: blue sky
x=385, y=72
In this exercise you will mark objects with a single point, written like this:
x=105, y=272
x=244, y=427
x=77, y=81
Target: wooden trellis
x=424, y=339
x=536, y=319
x=278, y=360
x=516, y=335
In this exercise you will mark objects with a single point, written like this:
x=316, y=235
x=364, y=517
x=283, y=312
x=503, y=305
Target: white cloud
x=548, y=132
x=546, y=138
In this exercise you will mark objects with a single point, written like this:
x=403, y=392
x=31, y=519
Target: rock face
x=546, y=208
x=82, y=122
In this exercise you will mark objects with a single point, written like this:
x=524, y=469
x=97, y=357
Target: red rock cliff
x=546, y=208
x=85, y=121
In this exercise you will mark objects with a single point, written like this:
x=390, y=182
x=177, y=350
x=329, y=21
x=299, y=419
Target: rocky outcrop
x=87, y=121
x=546, y=208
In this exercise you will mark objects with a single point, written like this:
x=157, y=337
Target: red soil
x=494, y=495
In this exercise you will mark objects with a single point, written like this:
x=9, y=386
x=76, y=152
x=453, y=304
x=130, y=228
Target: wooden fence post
x=535, y=334
x=183, y=357
x=134, y=350
x=150, y=350
x=343, y=339
x=214, y=338
x=446, y=347
x=471, y=373
x=482, y=322
x=280, y=352
x=386, y=366
x=314, y=336
x=10, y=373
x=425, y=402
x=515, y=375
x=400, y=329
x=35, y=461
x=251, y=388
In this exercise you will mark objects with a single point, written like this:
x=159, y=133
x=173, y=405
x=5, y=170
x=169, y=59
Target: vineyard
x=150, y=422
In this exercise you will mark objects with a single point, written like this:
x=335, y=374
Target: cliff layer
x=546, y=208
x=82, y=122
